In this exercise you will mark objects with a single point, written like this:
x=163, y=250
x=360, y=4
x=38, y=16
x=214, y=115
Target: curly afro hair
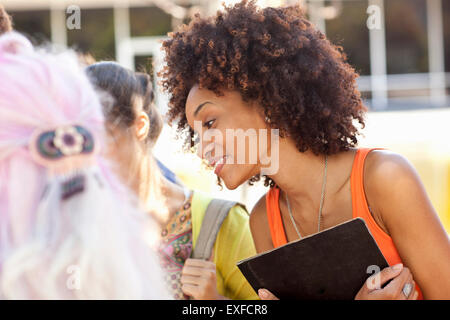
x=275, y=56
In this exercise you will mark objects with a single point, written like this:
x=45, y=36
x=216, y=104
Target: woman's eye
x=208, y=124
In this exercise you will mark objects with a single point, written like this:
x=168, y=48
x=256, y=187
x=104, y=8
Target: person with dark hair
x=5, y=21
x=254, y=69
x=134, y=125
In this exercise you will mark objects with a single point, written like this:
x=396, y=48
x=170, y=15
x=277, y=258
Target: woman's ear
x=142, y=124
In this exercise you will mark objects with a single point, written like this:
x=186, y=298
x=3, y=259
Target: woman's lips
x=218, y=163
x=219, y=166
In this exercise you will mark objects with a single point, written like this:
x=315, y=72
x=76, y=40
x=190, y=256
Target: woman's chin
x=232, y=179
x=231, y=186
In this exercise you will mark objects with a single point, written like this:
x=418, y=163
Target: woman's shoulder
x=389, y=178
x=382, y=167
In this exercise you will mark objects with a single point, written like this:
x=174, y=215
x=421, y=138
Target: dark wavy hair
x=275, y=56
x=130, y=91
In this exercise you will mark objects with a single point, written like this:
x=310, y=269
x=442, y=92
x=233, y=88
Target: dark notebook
x=332, y=264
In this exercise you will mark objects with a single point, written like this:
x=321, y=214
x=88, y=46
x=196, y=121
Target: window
x=406, y=36
x=446, y=21
x=149, y=21
x=96, y=35
x=348, y=28
x=34, y=24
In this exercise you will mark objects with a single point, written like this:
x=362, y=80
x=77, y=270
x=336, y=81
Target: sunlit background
x=401, y=48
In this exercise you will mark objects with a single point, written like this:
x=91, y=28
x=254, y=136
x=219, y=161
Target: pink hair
x=98, y=232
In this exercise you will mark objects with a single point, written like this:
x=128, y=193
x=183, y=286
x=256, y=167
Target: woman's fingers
x=414, y=294
x=190, y=289
x=400, y=287
x=396, y=288
x=188, y=279
x=389, y=273
x=265, y=294
x=408, y=290
x=192, y=271
x=197, y=267
x=376, y=281
x=199, y=280
x=200, y=263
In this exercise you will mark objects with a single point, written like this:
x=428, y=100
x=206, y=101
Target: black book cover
x=331, y=264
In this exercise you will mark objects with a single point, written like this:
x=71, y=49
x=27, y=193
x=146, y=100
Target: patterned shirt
x=176, y=246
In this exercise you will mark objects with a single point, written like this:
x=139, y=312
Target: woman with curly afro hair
x=253, y=69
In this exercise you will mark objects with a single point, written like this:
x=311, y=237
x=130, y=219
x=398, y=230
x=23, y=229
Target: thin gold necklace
x=322, y=197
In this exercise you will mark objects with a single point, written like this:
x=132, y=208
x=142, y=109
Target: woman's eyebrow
x=200, y=107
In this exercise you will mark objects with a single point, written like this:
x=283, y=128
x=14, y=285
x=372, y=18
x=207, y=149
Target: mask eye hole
x=88, y=144
x=46, y=147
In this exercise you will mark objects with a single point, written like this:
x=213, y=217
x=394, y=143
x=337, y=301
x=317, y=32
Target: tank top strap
x=361, y=209
x=359, y=203
x=277, y=232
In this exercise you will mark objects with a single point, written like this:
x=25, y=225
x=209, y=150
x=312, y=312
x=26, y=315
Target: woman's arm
x=401, y=206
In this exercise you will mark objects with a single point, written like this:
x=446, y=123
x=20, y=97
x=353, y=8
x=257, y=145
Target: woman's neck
x=301, y=174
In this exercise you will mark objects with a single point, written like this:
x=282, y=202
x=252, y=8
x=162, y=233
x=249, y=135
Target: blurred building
x=401, y=48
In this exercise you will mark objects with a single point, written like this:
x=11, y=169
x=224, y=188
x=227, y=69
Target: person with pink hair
x=68, y=228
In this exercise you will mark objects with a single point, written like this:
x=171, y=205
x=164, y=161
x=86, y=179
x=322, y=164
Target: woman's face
x=120, y=148
x=229, y=132
x=126, y=146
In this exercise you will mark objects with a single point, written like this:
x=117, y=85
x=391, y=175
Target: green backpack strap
x=215, y=214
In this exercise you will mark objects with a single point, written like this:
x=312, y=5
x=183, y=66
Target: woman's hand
x=198, y=279
x=400, y=276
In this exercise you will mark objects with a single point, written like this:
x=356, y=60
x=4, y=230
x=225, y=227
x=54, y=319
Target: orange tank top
x=359, y=209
